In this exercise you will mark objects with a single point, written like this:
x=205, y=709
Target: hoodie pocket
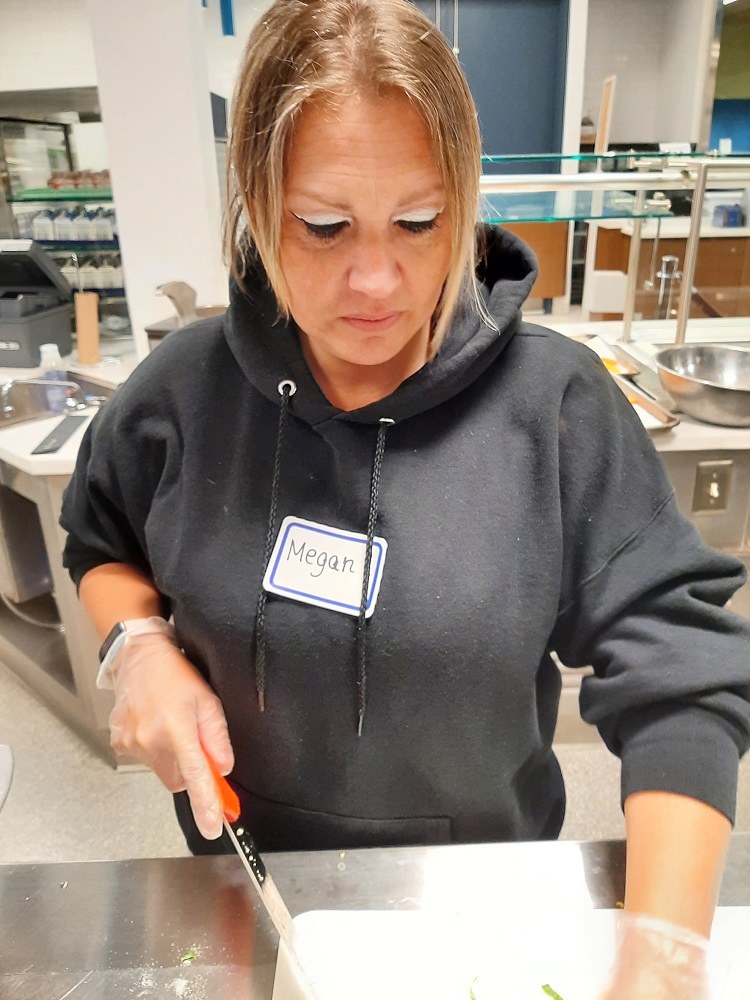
x=276, y=826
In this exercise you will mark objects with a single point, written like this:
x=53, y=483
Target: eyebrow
x=434, y=192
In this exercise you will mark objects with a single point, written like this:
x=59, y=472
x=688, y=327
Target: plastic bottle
x=52, y=371
x=117, y=280
x=106, y=274
x=63, y=226
x=42, y=227
x=102, y=226
x=70, y=271
x=89, y=275
x=82, y=227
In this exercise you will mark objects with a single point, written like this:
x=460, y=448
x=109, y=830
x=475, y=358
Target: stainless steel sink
x=24, y=400
x=29, y=402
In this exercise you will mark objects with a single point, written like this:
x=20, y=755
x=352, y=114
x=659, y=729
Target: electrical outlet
x=713, y=481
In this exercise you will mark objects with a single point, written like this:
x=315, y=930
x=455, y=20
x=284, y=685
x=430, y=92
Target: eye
x=326, y=229
x=420, y=220
x=423, y=226
x=325, y=232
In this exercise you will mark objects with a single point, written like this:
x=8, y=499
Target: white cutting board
x=413, y=955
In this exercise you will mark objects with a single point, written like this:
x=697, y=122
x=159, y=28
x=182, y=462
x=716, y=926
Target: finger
x=165, y=767
x=201, y=789
x=161, y=760
x=214, y=734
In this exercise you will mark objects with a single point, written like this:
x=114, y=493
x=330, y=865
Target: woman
x=372, y=407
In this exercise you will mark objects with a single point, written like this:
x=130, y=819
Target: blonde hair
x=303, y=50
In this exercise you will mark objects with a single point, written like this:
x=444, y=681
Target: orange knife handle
x=230, y=802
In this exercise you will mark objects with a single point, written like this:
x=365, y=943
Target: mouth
x=373, y=324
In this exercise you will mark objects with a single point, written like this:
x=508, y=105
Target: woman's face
x=365, y=238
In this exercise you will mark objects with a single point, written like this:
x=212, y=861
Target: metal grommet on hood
x=287, y=384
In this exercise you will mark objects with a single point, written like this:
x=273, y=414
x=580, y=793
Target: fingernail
x=212, y=823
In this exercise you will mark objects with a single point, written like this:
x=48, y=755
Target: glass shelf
x=569, y=206
x=611, y=155
x=536, y=188
x=63, y=194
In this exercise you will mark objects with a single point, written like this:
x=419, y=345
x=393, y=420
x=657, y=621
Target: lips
x=373, y=323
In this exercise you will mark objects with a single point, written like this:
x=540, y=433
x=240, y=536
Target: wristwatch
x=119, y=635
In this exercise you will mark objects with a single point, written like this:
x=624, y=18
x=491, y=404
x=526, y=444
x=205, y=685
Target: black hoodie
x=525, y=512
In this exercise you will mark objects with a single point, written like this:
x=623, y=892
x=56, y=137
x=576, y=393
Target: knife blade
x=260, y=876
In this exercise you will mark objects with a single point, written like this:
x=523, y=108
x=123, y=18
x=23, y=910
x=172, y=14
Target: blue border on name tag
x=374, y=570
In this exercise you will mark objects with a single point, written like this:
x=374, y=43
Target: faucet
x=184, y=298
x=74, y=399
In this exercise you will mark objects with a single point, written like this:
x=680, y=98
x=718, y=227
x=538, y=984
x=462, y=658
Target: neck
x=349, y=386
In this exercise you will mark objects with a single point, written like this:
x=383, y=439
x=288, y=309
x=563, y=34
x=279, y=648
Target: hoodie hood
x=268, y=349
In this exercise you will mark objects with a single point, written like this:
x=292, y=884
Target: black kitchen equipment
x=36, y=304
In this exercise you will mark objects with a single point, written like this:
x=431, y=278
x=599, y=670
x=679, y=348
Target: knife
x=256, y=869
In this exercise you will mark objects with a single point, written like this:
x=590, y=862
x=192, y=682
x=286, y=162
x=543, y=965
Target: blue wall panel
x=514, y=55
x=731, y=121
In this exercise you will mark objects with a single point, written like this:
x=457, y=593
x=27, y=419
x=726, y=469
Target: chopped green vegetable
x=188, y=957
x=472, y=994
x=551, y=993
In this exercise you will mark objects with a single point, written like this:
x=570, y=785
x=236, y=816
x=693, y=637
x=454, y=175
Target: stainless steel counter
x=107, y=930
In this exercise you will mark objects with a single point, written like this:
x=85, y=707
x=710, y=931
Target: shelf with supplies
x=88, y=268
x=81, y=246
x=67, y=209
x=33, y=195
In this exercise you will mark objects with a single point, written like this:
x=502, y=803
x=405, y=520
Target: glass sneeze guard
x=635, y=191
x=588, y=187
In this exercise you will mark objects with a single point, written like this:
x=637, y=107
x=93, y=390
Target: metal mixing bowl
x=709, y=382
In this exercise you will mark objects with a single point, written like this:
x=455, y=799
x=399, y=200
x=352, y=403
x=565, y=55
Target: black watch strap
x=117, y=631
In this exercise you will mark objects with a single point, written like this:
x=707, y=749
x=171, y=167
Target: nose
x=374, y=270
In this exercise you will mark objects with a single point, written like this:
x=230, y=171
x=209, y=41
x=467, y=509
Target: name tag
x=324, y=566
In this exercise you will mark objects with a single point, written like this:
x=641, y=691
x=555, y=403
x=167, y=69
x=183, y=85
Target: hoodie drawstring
x=372, y=517
x=287, y=389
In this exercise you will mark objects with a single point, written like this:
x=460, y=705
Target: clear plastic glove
x=657, y=960
x=166, y=716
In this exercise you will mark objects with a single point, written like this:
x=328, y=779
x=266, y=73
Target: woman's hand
x=658, y=961
x=166, y=716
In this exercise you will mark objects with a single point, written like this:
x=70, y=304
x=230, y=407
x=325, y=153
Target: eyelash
x=329, y=232
x=418, y=227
